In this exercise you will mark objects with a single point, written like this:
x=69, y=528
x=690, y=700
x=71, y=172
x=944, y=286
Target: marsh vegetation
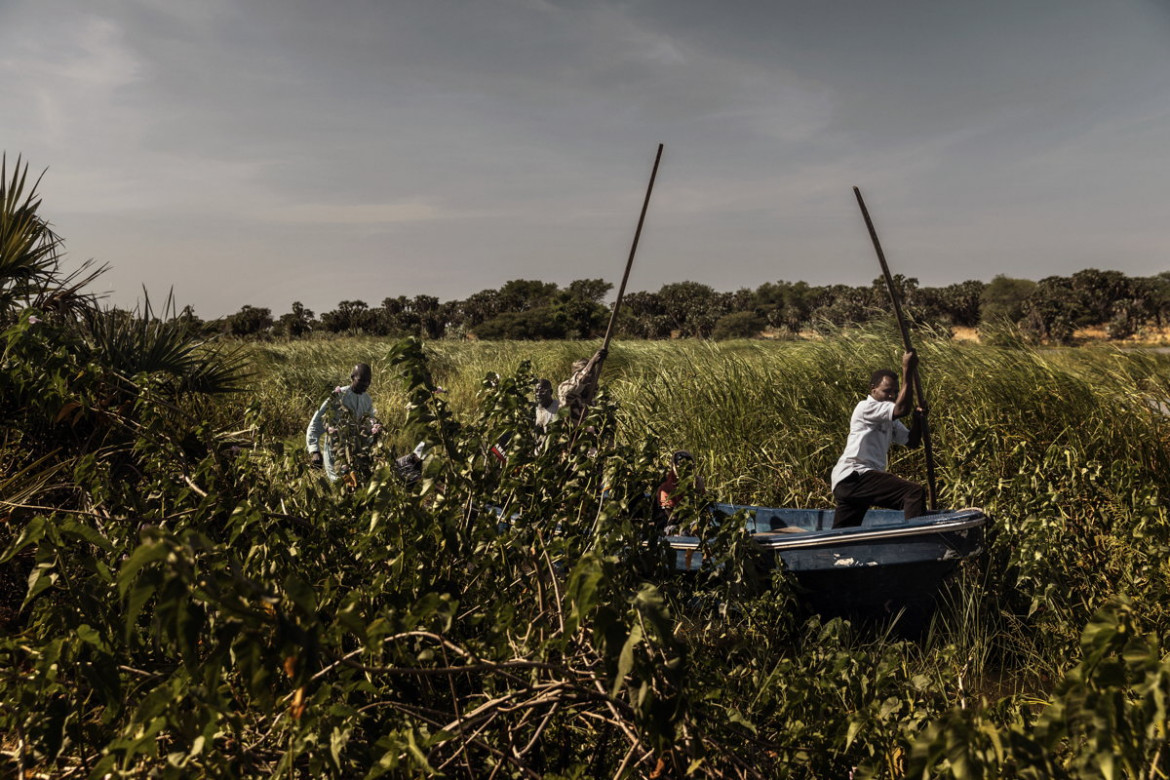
x=184, y=596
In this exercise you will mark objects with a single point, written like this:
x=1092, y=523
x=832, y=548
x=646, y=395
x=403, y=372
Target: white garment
x=317, y=438
x=871, y=430
x=546, y=414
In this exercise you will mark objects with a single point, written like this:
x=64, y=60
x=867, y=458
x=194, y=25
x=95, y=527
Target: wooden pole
x=914, y=378
x=633, y=249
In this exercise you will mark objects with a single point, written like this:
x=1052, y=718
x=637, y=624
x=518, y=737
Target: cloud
x=53, y=83
x=371, y=214
x=461, y=143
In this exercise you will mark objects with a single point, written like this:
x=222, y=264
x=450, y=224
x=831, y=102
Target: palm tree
x=79, y=377
x=30, y=252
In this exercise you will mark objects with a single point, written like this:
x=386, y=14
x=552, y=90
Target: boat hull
x=884, y=566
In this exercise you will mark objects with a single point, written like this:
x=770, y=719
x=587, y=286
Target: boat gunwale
x=781, y=540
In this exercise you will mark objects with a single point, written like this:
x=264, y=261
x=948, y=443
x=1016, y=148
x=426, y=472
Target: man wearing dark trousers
x=860, y=479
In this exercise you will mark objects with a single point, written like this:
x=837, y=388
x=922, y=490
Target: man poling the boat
x=860, y=479
x=578, y=392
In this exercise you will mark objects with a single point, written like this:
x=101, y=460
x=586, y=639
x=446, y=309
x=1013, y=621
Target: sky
x=262, y=152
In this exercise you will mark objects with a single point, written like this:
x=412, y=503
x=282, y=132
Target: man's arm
x=905, y=400
x=594, y=365
x=577, y=388
x=314, y=431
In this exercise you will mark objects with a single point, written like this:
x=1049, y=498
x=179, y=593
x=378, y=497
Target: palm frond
x=29, y=249
x=134, y=343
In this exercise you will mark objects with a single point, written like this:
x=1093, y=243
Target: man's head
x=359, y=378
x=683, y=461
x=883, y=385
x=544, y=392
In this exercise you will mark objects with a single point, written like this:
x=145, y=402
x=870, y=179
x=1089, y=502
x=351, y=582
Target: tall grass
x=769, y=419
x=226, y=595
x=1065, y=449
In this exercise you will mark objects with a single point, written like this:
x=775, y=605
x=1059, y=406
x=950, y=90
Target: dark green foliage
x=957, y=304
x=231, y=614
x=351, y=317
x=1107, y=718
x=1004, y=299
x=338, y=631
x=296, y=323
x=739, y=325
x=185, y=597
x=542, y=323
x=573, y=313
x=28, y=247
x=1004, y=309
x=692, y=308
x=249, y=321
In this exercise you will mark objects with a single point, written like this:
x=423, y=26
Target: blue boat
x=884, y=566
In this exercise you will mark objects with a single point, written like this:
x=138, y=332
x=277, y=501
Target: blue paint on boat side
x=884, y=563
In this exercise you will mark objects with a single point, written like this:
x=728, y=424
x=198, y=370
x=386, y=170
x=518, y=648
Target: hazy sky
x=264, y=151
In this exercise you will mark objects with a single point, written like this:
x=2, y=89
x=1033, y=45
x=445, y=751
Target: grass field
x=223, y=610
x=1067, y=449
x=768, y=419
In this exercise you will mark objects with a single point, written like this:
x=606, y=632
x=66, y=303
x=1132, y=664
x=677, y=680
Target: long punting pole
x=915, y=378
x=633, y=249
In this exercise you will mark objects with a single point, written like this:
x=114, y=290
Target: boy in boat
x=682, y=481
x=860, y=479
x=578, y=391
x=353, y=399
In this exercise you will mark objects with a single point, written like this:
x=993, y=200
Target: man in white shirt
x=546, y=406
x=353, y=399
x=860, y=479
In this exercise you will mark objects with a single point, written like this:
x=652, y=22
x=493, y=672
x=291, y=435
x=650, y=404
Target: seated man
x=681, y=477
x=351, y=399
x=859, y=478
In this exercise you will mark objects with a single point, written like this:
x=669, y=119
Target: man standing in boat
x=860, y=479
x=578, y=392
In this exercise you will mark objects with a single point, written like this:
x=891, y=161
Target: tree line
x=1049, y=310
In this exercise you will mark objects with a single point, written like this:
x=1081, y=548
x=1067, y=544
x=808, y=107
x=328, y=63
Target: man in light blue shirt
x=860, y=479
x=354, y=400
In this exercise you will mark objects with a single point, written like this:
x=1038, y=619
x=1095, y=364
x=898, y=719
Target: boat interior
x=764, y=520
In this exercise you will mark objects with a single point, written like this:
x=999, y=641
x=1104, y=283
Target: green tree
x=840, y=305
x=525, y=294
x=739, y=325
x=1003, y=300
x=693, y=308
x=1096, y=292
x=589, y=289
x=642, y=316
x=350, y=317
x=785, y=304
x=1053, y=310
x=249, y=321
x=532, y=324
x=296, y=323
x=956, y=304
